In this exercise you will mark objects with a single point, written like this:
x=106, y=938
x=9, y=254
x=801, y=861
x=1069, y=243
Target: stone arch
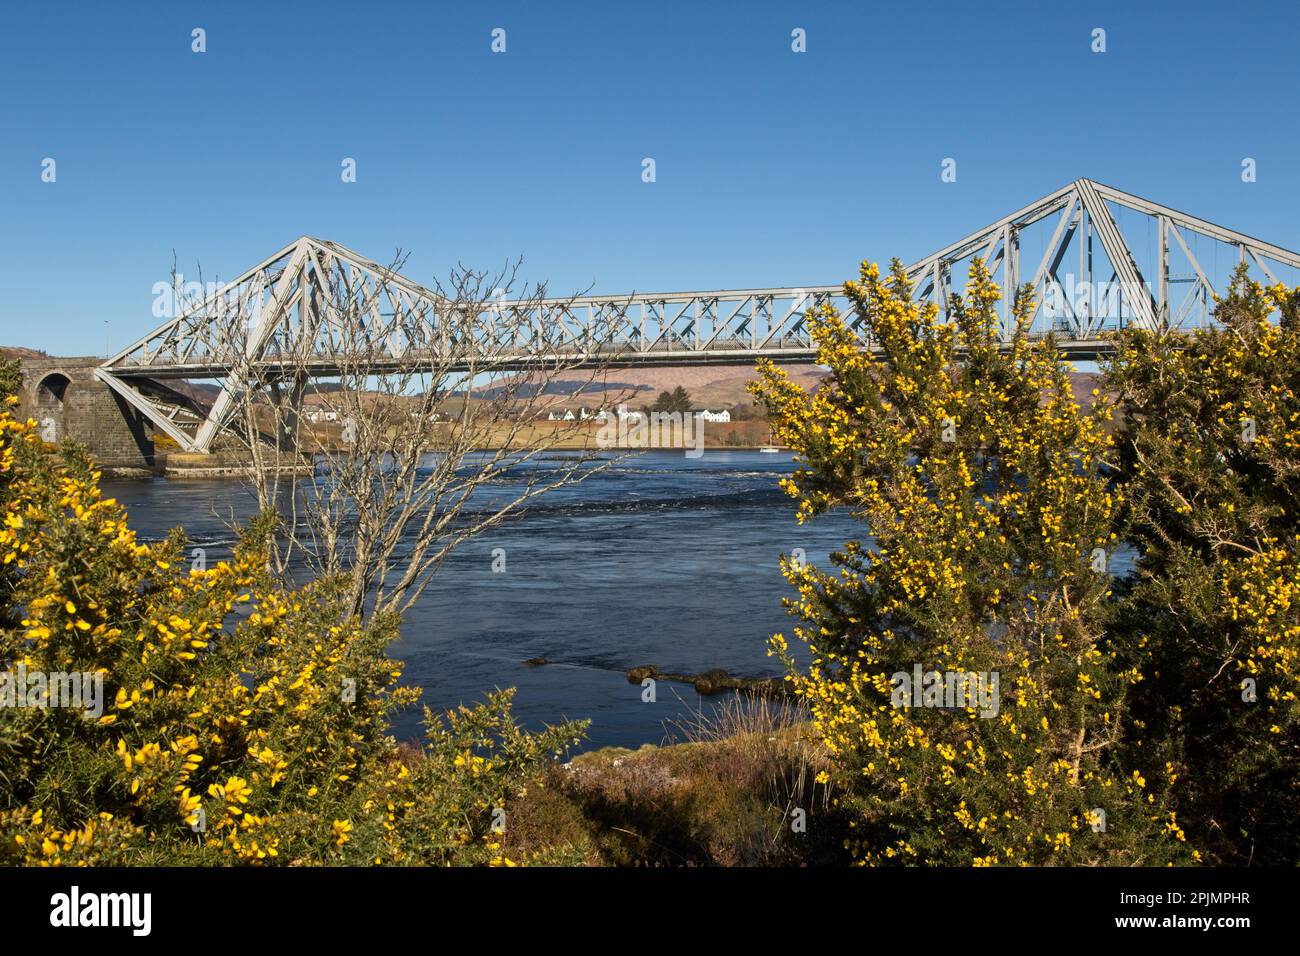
x=51, y=393
x=51, y=390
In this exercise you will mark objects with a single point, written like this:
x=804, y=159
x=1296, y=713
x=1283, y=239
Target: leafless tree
x=386, y=423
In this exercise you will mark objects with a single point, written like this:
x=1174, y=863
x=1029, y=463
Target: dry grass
x=726, y=794
x=764, y=742
x=742, y=715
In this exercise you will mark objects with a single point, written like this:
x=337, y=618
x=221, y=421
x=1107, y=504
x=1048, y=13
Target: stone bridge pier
x=69, y=402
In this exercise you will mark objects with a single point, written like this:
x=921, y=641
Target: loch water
x=656, y=558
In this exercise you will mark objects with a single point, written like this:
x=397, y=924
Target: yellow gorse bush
x=242, y=721
x=1209, y=454
x=981, y=484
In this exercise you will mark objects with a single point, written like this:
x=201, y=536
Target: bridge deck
x=326, y=366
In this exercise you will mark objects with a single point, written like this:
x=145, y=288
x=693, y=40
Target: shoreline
x=183, y=466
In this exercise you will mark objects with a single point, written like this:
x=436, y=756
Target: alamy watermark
x=624, y=429
x=949, y=690
x=74, y=908
x=1097, y=300
x=21, y=688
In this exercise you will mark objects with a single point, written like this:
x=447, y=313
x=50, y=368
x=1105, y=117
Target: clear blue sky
x=773, y=168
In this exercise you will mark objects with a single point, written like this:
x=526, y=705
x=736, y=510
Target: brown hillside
x=724, y=386
x=17, y=352
x=710, y=386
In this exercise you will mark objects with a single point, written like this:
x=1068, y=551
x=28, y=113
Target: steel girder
x=285, y=313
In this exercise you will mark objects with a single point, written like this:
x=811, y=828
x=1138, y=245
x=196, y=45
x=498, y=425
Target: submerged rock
x=715, y=681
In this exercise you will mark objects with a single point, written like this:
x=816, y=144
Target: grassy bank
x=739, y=789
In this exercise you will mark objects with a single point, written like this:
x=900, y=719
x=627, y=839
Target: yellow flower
x=341, y=830
x=234, y=790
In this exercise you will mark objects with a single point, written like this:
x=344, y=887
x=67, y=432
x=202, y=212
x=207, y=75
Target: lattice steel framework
x=286, y=311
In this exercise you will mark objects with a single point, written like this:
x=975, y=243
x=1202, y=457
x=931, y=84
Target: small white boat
x=769, y=450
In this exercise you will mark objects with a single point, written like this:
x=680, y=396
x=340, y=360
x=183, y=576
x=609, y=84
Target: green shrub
x=240, y=721
x=1209, y=453
x=981, y=483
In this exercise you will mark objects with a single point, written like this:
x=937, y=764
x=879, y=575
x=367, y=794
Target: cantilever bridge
x=1098, y=257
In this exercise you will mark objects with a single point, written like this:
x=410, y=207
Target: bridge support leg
x=288, y=411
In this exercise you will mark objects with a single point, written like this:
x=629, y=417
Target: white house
x=722, y=416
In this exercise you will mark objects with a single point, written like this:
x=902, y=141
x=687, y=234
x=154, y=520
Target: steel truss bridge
x=1098, y=258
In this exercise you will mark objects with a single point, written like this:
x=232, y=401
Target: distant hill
x=17, y=352
x=710, y=386
x=718, y=386
x=204, y=393
x=1082, y=384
